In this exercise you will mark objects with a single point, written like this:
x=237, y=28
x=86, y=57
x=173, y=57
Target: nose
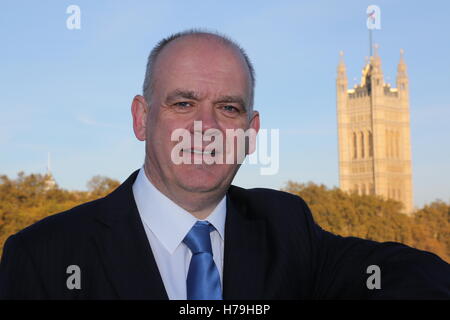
x=207, y=116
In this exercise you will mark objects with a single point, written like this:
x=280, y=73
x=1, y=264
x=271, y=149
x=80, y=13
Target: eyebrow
x=185, y=94
x=192, y=95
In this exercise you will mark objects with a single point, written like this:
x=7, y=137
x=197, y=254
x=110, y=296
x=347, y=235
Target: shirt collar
x=169, y=222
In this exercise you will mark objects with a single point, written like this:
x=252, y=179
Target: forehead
x=201, y=62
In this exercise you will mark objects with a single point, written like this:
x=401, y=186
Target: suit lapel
x=130, y=265
x=245, y=258
x=124, y=247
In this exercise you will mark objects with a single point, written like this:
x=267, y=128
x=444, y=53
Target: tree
x=100, y=185
x=27, y=199
x=375, y=218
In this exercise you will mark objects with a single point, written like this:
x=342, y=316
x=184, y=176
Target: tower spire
x=376, y=46
x=376, y=60
x=401, y=68
x=341, y=69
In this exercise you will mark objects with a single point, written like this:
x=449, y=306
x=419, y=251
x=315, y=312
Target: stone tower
x=374, y=133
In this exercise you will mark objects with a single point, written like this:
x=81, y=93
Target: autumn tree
x=28, y=199
x=375, y=218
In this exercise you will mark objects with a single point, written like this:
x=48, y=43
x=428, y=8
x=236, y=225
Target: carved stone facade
x=374, y=133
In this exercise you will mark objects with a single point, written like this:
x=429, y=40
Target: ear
x=254, y=125
x=139, y=110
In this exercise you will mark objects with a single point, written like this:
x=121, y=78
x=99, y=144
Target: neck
x=199, y=204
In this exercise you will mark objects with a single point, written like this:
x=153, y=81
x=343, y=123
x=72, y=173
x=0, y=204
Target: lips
x=202, y=152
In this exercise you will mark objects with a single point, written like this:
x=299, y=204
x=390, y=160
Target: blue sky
x=68, y=92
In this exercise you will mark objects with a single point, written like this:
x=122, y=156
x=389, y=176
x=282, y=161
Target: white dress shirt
x=166, y=224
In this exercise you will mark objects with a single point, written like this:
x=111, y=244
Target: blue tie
x=203, y=280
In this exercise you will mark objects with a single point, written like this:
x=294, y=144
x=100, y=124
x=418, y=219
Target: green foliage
x=373, y=217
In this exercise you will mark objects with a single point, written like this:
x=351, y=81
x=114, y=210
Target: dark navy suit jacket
x=273, y=250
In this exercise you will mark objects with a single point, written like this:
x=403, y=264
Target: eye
x=230, y=109
x=182, y=104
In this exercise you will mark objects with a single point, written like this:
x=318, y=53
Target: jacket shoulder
x=74, y=221
x=264, y=194
x=270, y=203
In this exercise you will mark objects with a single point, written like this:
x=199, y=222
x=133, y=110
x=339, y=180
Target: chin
x=201, y=178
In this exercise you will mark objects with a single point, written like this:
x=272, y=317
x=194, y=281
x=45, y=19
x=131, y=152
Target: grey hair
x=149, y=74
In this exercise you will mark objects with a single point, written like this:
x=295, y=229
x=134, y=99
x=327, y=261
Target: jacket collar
x=169, y=222
x=124, y=247
x=130, y=264
x=245, y=256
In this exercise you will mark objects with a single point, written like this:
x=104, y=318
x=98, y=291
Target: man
x=182, y=231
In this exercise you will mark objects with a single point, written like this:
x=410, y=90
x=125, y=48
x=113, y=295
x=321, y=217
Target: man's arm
x=357, y=268
x=18, y=276
x=347, y=268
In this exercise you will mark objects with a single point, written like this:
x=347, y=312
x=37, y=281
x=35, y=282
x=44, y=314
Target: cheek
x=225, y=123
x=158, y=127
x=161, y=137
x=158, y=138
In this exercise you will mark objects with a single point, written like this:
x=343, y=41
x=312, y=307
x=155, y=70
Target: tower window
x=386, y=143
x=390, y=144
x=397, y=145
x=362, y=145
x=355, y=146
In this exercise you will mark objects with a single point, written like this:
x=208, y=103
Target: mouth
x=201, y=152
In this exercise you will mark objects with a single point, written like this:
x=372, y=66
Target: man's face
x=196, y=79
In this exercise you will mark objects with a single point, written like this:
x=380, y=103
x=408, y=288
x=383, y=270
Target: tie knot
x=198, y=239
